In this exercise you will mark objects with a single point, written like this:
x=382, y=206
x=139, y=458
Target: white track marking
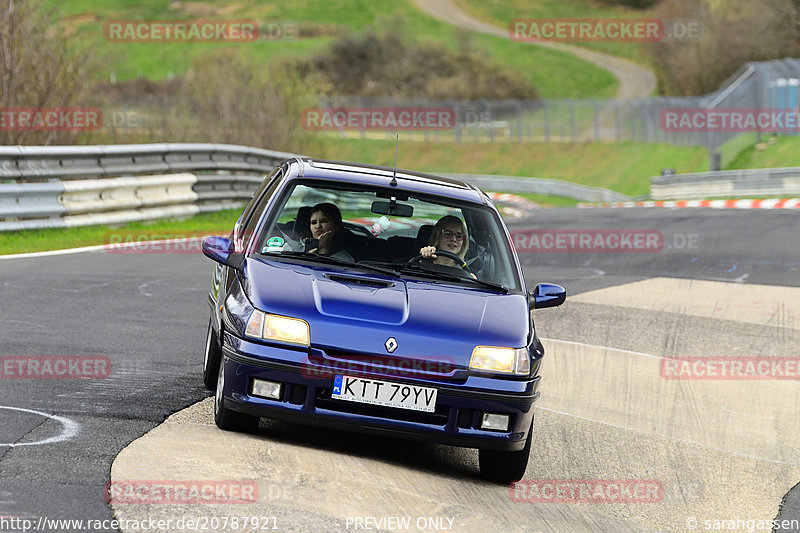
x=70, y=428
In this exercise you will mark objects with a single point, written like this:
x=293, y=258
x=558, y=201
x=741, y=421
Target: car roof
x=363, y=174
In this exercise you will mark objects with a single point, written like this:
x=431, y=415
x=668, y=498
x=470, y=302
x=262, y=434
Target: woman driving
x=449, y=235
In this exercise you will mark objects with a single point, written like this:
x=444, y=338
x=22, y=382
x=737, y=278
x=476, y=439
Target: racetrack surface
x=721, y=449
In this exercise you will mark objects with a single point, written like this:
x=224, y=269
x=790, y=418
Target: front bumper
x=305, y=398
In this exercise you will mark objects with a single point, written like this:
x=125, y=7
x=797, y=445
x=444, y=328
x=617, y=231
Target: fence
x=766, y=85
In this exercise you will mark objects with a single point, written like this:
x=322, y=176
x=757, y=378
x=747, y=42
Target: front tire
x=505, y=467
x=227, y=419
x=211, y=358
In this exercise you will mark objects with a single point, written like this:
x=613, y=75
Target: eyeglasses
x=458, y=235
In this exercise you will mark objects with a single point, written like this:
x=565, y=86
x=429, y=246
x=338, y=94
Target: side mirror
x=219, y=249
x=547, y=295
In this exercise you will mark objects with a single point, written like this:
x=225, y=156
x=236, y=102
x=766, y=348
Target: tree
x=731, y=34
x=37, y=70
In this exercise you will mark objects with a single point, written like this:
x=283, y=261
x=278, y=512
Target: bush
x=222, y=99
x=388, y=64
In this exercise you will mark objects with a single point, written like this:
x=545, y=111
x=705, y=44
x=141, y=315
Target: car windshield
x=388, y=228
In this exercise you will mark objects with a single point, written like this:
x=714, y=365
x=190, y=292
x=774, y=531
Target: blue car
x=387, y=302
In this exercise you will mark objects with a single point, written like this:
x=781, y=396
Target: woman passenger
x=326, y=225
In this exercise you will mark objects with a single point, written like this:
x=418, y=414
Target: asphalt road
x=147, y=314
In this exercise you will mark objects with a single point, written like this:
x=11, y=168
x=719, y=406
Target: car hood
x=358, y=312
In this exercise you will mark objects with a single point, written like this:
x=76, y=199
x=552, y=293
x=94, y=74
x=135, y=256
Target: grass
x=781, y=152
x=17, y=242
x=625, y=167
x=729, y=152
x=501, y=12
x=555, y=74
x=548, y=201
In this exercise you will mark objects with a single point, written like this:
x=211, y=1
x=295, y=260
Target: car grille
x=400, y=367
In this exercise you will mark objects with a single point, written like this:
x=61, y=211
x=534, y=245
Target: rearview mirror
x=547, y=295
x=392, y=208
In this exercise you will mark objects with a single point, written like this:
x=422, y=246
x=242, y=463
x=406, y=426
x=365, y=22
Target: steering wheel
x=458, y=261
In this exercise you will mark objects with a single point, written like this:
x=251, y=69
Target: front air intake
x=360, y=281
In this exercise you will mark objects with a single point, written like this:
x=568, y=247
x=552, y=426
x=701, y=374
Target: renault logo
x=391, y=344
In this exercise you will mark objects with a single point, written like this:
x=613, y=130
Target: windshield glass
x=370, y=227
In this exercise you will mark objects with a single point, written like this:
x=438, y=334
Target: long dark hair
x=331, y=211
x=334, y=215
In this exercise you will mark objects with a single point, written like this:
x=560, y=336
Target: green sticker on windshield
x=275, y=242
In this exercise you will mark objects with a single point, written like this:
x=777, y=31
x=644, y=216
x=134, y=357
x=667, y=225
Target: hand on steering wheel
x=426, y=254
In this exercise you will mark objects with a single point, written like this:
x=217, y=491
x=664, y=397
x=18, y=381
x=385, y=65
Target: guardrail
x=778, y=182
x=68, y=186
x=23, y=163
x=544, y=186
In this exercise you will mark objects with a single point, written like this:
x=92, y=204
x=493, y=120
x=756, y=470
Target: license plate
x=384, y=393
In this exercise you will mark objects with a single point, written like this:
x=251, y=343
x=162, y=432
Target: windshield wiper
x=435, y=274
x=313, y=256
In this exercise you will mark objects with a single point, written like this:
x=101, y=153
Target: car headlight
x=278, y=328
x=501, y=360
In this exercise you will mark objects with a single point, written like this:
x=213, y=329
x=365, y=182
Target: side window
x=248, y=209
x=259, y=203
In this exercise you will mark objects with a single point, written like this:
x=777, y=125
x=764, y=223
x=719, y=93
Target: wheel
x=227, y=419
x=456, y=259
x=505, y=467
x=211, y=358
